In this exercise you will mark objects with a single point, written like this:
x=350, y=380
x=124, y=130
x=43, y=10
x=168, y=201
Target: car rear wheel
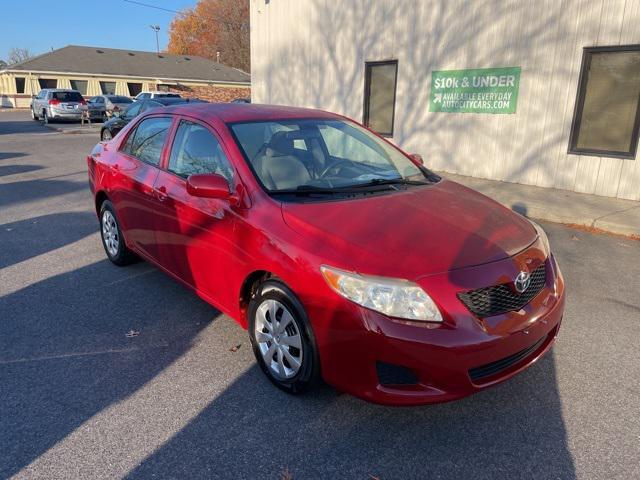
x=282, y=339
x=45, y=117
x=33, y=115
x=112, y=239
x=106, y=135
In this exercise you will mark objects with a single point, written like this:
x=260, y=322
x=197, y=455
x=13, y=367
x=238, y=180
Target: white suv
x=57, y=104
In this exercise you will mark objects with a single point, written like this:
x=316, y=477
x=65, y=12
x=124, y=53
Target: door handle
x=161, y=193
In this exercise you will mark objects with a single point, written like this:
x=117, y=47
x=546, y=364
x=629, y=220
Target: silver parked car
x=57, y=104
x=104, y=106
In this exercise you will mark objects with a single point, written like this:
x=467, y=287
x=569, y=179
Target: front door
x=194, y=234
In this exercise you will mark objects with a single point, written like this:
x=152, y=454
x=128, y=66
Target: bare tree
x=17, y=55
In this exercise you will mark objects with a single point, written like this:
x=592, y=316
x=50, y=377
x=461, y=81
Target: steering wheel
x=333, y=165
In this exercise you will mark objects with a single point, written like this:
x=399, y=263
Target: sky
x=40, y=25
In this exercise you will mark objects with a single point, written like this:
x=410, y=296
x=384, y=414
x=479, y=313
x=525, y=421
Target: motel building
x=96, y=71
x=537, y=92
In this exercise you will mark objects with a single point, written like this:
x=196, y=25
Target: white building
x=563, y=114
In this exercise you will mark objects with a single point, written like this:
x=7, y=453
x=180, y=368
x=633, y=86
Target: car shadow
x=76, y=343
x=9, y=127
x=9, y=155
x=252, y=430
x=28, y=238
x=6, y=170
x=29, y=190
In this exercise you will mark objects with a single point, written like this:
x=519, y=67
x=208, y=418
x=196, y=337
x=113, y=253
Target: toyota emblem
x=522, y=281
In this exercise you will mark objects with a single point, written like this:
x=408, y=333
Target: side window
x=133, y=110
x=196, y=150
x=144, y=96
x=146, y=142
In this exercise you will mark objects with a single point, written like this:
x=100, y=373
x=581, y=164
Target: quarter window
x=380, y=96
x=606, y=118
x=196, y=150
x=146, y=142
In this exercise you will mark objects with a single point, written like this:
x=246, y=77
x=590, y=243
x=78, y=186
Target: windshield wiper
x=310, y=189
x=388, y=181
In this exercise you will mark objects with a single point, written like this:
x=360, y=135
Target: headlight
x=392, y=297
x=543, y=237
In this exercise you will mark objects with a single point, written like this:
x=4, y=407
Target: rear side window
x=196, y=150
x=146, y=141
x=67, y=96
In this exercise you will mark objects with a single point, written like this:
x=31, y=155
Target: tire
x=45, y=117
x=106, y=136
x=287, y=354
x=34, y=116
x=112, y=238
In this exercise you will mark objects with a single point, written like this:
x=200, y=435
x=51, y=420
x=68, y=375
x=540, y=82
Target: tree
x=17, y=55
x=212, y=28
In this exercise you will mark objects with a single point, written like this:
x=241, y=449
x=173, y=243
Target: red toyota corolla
x=345, y=258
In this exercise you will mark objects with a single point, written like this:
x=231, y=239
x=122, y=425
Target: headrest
x=280, y=144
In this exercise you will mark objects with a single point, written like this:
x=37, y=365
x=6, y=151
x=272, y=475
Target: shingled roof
x=111, y=61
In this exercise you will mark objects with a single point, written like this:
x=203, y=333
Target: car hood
x=411, y=233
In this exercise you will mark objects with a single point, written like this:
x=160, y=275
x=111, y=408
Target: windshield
x=322, y=155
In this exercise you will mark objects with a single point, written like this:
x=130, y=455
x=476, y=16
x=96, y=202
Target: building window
x=607, y=114
x=79, y=85
x=108, y=88
x=134, y=88
x=19, y=84
x=380, y=95
x=48, y=83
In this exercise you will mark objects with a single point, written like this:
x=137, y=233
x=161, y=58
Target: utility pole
x=156, y=28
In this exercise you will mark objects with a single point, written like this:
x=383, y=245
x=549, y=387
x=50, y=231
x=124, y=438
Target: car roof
x=248, y=112
x=173, y=100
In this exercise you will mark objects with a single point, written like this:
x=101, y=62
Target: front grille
x=499, y=299
x=498, y=366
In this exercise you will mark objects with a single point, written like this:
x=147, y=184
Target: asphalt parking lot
x=110, y=372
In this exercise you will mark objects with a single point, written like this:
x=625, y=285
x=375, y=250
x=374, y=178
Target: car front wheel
x=282, y=339
x=112, y=239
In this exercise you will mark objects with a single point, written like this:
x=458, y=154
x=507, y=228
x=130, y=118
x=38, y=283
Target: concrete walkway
x=561, y=206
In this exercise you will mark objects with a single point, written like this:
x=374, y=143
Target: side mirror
x=416, y=157
x=208, y=185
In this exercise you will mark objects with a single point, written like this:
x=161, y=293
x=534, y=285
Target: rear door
x=134, y=174
x=195, y=235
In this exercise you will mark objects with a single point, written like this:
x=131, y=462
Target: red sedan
x=344, y=257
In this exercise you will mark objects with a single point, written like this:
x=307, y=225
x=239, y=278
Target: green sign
x=481, y=90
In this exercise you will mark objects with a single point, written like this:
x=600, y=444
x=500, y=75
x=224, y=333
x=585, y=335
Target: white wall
x=312, y=53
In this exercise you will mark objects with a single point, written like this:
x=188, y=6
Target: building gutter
x=111, y=75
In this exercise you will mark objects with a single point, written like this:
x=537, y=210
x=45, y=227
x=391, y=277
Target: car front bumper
x=435, y=362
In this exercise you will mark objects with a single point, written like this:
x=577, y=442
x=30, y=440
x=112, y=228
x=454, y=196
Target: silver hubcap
x=110, y=233
x=106, y=135
x=278, y=338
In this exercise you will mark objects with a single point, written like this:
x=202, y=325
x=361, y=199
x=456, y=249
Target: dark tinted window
x=196, y=150
x=67, y=96
x=98, y=100
x=48, y=82
x=79, y=85
x=19, y=84
x=108, y=88
x=380, y=96
x=606, y=121
x=119, y=99
x=147, y=140
x=134, y=88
